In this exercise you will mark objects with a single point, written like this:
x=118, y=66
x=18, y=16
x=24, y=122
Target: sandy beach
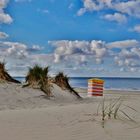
x=56, y=55
x=26, y=114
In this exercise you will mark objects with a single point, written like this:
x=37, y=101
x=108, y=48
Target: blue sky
x=79, y=37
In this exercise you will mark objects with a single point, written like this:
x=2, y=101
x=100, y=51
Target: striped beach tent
x=95, y=87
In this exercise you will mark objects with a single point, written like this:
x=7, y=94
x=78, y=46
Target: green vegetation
x=37, y=77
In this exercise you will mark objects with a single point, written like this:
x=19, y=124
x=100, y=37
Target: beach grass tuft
x=4, y=76
x=37, y=77
x=63, y=81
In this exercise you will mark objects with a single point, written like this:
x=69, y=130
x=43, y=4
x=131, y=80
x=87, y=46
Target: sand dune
x=26, y=115
x=13, y=96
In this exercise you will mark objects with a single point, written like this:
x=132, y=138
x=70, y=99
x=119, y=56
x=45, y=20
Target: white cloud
x=34, y=48
x=128, y=54
x=19, y=49
x=23, y=0
x=19, y=57
x=133, y=69
x=87, y=54
x=70, y=56
x=98, y=48
x=89, y=5
x=136, y=51
x=124, y=44
x=120, y=18
x=121, y=8
x=129, y=7
x=136, y=29
x=15, y=50
x=122, y=69
x=95, y=52
x=4, y=17
x=81, y=12
x=3, y=3
x=15, y=55
x=3, y=35
x=118, y=61
x=129, y=59
x=70, y=49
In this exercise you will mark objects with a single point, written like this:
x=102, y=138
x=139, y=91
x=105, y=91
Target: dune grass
x=113, y=109
x=37, y=77
x=63, y=81
x=4, y=76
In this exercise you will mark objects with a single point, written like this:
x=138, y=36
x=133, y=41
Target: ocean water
x=110, y=83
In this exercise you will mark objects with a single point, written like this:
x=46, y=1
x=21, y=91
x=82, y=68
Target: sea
x=111, y=83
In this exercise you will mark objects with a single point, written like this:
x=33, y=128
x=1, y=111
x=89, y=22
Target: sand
x=26, y=114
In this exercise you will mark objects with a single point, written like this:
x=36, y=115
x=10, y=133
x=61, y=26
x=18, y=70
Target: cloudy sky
x=78, y=37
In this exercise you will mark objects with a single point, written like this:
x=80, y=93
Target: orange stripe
x=97, y=82
x=95, y=90
x=96, y=94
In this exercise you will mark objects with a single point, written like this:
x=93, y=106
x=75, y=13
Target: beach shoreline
x=110, y=91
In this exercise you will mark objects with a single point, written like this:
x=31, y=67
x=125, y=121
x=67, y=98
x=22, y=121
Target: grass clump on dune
x=63, y=81
x=4, y=76
x=37, y=77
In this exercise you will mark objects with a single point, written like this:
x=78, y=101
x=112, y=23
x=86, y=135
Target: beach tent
x=95, y=87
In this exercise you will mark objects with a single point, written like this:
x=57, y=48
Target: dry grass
x=113, y=110
x=63, y=81
x=4, y=76
x=37, y=77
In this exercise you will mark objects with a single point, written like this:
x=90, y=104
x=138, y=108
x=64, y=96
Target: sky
x=99, y=38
